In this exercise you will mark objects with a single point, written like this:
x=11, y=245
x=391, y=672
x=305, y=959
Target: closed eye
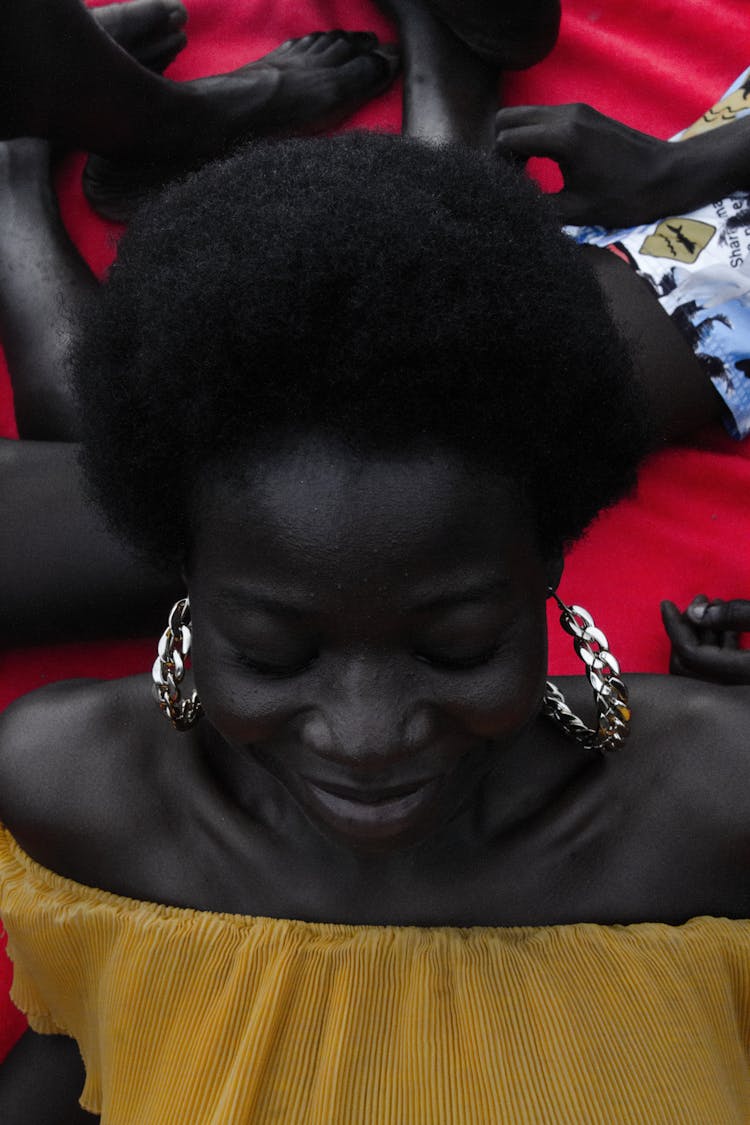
x=449, y=662
x=275, y=669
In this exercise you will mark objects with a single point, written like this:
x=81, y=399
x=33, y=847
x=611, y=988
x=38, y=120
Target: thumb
x=569, y=207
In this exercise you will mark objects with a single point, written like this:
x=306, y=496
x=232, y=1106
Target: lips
x=371, y=815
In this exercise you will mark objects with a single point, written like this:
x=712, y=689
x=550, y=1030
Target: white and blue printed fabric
x=699, y=267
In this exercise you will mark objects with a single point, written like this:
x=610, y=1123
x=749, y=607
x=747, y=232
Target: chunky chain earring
x=169, y=670
x=603, y=671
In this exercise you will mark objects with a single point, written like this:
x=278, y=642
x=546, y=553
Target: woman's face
x=373, y=630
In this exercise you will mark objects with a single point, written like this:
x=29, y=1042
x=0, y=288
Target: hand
x=614, y=176
x=705, y=639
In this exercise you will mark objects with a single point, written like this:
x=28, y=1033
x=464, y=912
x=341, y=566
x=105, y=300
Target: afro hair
x=391, y=293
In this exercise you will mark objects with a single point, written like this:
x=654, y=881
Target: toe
x=158, y=55
x=306, y=43
x=332, y=48
x=177, y=15
x=133, y=24
x=336, y=47
x=155, y=16
x=366, y=75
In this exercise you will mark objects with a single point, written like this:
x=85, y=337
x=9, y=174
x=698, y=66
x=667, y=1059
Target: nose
x=369, y=719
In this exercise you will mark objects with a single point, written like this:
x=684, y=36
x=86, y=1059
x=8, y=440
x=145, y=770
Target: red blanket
x=655, y=64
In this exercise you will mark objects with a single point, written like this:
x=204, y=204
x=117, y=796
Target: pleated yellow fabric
x=185, y=1017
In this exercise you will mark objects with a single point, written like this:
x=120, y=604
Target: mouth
x=372, y=815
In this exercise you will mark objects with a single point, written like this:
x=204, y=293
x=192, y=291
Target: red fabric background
x=655, y=64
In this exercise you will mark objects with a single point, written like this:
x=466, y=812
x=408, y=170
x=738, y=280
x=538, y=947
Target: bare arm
x=680, y=396
x=40, y=1083
x=63, y=574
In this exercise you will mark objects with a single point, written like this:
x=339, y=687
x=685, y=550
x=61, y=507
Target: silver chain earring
x=169, y=670
x=603, y=671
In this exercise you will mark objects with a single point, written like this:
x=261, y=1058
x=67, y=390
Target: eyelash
x=273, y=671
x=465, y=665
x=443, y=663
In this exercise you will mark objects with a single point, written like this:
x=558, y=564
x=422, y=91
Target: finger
x=697, y=608
x=729, y=640
x=734, y=615
x=570, y=208
x=696, y=614
x=519, y=116
x=690, y=658
x=532, y=140
x=680, y=632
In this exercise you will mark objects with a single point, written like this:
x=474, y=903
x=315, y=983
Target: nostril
x=369, y=738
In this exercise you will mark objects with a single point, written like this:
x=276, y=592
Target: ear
x=554, y=570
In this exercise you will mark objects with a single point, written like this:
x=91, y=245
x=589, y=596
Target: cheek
x=242, y=708
x=506, y=695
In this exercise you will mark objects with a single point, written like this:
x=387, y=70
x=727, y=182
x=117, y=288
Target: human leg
x=151, y=31
x=511, y=35
x=304, y=85
x=63, y=574
x=454, y=54
x=43, y=284
x=450, y=94
x=64, y=78
x=680, y=397
x=41, y=1080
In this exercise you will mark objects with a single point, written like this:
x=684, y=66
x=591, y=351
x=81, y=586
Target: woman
x=450, y=907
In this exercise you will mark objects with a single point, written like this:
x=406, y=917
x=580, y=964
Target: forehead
x=321, y=508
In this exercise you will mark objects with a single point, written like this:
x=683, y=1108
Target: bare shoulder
x=695, y=713
x=66, y=749
x=695, y=737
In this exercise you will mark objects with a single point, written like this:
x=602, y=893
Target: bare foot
x=151, y=31
x=304, y=85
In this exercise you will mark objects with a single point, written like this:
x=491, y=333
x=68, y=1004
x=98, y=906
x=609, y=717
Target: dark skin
x=44, y=283
x=580, y=838
x=64, y=574
x=69, y=576
x=706, y=639
x=151, y=31
x=616, y=176
x=450, y=94
x=305, y=85
x=64, y=78
x=454, y=56
x=365, y=626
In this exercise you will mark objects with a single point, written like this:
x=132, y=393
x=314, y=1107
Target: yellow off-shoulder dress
x=185, y=1017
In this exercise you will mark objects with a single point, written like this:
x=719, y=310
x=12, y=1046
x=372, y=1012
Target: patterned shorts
x=699, y=267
